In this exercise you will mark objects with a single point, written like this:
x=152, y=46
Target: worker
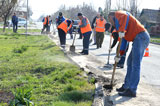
x=49, y=25
x=116, y=38
x=63, y=26
x=100, y=29
x=93, y=28
x=71, y=31
x=45, y=24
x=131, y=30
x=15, y=22
x=86, y=31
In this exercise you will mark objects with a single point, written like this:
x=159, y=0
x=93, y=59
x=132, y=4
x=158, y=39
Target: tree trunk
x=4, y=25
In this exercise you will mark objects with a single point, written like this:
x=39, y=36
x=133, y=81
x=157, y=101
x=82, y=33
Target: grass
x=35, y=62
x=155, y=39
x=9, y=31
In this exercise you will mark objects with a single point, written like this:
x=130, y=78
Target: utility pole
x=27, y=20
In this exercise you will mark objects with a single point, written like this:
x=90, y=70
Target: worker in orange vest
x=45, y=24
x=86, y=31
x=116, y=38
x=63, y=26
x=131, y=30
x=100, y=29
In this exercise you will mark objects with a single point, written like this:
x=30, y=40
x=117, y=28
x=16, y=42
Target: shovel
x=114, y=69
x=109, y=65
x=72, y=47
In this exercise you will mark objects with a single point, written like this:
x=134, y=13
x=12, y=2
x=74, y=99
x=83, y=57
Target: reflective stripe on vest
x=87, y=28
x=100, y=25
x=127, y=20
x=64, y=26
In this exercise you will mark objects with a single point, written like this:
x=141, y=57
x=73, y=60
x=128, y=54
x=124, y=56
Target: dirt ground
x=5, y=97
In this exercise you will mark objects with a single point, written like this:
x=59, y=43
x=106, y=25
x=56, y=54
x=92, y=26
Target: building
x=151, y=20
x=21, y=12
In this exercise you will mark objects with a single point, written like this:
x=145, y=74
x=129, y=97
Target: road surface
x=150, y=72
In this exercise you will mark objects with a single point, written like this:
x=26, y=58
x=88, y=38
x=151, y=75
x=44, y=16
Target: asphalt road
x=150, y=69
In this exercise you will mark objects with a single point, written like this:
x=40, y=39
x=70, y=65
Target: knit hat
x=79, y=14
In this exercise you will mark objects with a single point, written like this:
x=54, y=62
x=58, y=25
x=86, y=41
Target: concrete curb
x=100, y=98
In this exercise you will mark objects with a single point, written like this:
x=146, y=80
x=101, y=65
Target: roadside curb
x=100, y=96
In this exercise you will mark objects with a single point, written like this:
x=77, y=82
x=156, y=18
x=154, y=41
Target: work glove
x=122, y=52
x=121, y=34
x=117, y=59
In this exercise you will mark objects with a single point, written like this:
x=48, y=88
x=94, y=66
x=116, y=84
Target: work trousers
x=139, y=45
x=15, y=28
x=44, y=27
x=62, y=37
x=86, y=43
x=99, y=39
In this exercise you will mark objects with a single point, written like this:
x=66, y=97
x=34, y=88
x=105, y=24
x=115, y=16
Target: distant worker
x=131, y=30
x=71, y=31
x=86, y=31
x=49, y=25
x=15, y=23
x=93, y=28
x=100, y=29
x=45, y=24
x=63, y=26
x=116, y=38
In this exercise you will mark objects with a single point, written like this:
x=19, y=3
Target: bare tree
x=71, y=12
x=128, y=5
x=6, y=8
x=107, y=6
x=133, y=7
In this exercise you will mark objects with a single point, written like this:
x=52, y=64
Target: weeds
x=22, y=97
x=20, y=50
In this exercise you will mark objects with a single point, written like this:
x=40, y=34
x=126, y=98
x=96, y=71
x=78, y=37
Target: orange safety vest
x=45, y=21
x=87, y=28
x=100, y=25
x=64, y=26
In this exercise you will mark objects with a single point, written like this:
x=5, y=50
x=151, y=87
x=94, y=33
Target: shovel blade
x=72, y=48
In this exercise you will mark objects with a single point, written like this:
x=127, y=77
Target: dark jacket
x=94, y=20
x=59, y=20
x=14, y=19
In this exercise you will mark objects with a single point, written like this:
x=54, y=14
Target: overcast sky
x=40, y=7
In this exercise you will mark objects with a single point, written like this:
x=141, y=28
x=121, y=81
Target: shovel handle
x=74, y=37
x=117, y=54
x=109, y=48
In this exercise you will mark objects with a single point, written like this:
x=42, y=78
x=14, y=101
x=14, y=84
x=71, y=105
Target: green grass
x=35, y=62
x=10, y=31
x=155, y=40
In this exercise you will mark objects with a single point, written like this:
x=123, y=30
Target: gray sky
x=40, y=7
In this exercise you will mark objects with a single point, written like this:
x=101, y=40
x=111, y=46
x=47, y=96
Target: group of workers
x=123, y=26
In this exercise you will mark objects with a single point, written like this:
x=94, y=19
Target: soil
x=5, y=97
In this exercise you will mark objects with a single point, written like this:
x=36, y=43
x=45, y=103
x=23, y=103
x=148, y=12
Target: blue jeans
x=139, y=45
x=123, y=57
x=15, y=27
